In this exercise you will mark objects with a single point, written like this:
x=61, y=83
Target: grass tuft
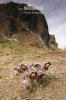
x=41, y=83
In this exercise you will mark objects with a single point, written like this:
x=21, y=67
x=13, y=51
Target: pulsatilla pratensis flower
x=37, y=65
x=24, y=67
x=33, y=75
x=20, y=68
x=46, y=65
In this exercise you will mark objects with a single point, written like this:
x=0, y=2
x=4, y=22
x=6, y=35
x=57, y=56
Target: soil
x=10, y=82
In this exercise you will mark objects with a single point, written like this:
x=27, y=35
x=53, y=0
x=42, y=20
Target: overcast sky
x=55, y=13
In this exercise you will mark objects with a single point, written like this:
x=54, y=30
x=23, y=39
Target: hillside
x=12, y=53
x=20, y=20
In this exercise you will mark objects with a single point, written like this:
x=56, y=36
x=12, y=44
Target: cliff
x=24, y=23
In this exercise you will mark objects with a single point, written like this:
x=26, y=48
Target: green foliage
x=7, y=43
x=43, y=81
x=40, y=83
x=13, y=98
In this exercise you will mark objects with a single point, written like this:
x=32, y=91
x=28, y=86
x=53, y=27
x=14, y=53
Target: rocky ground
x=11, y=54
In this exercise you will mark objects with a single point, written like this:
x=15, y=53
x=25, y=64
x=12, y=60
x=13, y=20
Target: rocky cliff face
x=21, y=20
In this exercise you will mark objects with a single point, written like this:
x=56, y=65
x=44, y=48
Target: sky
x=55, y=13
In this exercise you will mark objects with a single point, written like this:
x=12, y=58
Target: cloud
x=55, y=14
x=60, y=33
x=4, y=1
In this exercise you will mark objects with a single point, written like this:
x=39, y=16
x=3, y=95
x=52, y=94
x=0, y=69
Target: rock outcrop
x=18, y=20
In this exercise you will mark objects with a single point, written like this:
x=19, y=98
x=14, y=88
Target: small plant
x=41, y=82
x=35, y=77
x=13, y=98
x=44, y=82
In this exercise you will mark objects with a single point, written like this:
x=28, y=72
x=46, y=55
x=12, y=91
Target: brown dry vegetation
x=11, y=53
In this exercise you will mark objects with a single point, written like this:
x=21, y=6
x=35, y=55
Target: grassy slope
x=11, y=53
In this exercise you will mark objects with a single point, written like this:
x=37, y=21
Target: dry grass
x=52, y=88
